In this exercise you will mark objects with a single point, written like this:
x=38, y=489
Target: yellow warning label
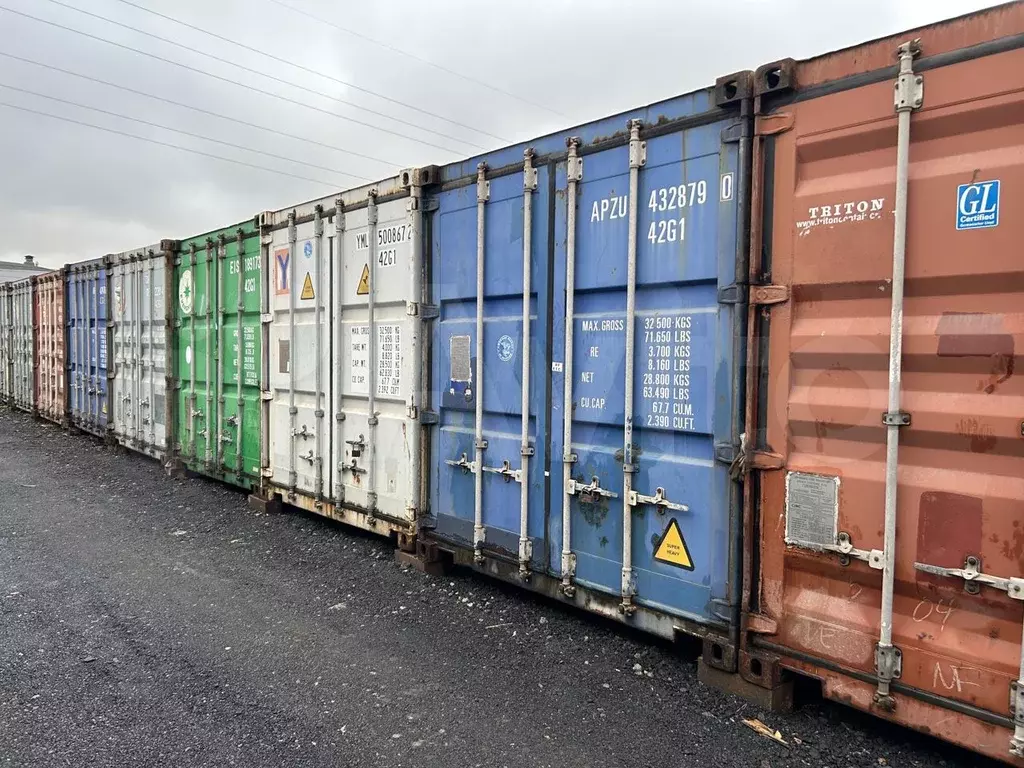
x=364, y=281
x=671, y=548
x=307, y=288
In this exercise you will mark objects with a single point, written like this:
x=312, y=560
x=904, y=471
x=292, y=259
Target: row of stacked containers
x=536, y=362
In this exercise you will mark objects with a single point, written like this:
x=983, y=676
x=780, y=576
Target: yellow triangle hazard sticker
x=307, y=288
x=671, y=548
x=364, y=281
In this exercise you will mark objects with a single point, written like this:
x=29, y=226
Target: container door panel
x=456, y=381
x=960, y=493
x=299, y=292
x=373, y=464
x=683, y=508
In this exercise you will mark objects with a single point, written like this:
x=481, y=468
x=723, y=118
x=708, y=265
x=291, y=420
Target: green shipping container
x=217, y=279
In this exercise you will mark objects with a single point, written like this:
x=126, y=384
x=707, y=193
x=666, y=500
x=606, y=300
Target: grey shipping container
x=17, y=340
x=139, y=333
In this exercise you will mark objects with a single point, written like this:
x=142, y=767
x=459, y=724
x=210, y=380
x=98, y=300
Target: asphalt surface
x=147, y=621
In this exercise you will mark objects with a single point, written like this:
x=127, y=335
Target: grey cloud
x=71, y=193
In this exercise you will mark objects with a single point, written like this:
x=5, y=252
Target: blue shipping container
x=87, y=345
x=630, y=458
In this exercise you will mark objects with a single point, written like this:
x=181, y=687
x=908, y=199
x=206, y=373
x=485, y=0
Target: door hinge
x=738, y=293
x=769, y=294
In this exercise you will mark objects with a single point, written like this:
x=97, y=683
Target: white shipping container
x=140, y=336
x=17, y=345
x=343, y=376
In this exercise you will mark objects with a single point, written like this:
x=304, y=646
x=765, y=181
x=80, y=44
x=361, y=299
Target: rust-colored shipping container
x=48, y=313
x=886, y=314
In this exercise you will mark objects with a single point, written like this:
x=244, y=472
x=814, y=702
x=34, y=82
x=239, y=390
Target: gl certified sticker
x=307, y=250
x=977, y=205
x=506, y=348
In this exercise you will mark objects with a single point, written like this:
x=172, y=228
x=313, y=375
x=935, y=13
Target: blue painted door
x=680, y=509
x=458, y=384
x=87, y=383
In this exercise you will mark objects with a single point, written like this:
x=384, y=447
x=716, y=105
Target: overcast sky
x=70, y=192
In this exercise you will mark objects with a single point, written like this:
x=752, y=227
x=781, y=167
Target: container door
x=375, y=452
x=24, y=352
x=195, y=286
x=77, y=373
x=298, y=260
x=492, y=362
x=959, y=542
x=152, y=347
x=132, y=286
x=6, y=344
x=652, y=365
x=96, y=293
x=240, y=356
x=126, y=310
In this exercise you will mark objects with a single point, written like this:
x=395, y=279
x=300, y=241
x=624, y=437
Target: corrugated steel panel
x=140, y=348
x=818, y=563
x=216, y=305
x=49, y=347
x=19, y=345
x=344, y=373
x=87, y=332
x=6, y=344
x=649, y=262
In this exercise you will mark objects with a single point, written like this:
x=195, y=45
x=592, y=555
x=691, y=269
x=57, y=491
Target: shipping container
x=139, y=322
x=344, y=378
x=886, y=513
x=87, y=338
x=587, y=362
x=48, y=310
x=216, y=354
x=19, y=345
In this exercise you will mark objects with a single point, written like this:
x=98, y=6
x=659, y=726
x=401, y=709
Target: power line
x=420, y=59
x=266, y=75
x=184, y=133
x=312, y=71
x=223, y=79
x=330, y=184
x=200, y=110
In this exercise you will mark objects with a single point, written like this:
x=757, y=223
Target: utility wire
x=223, y=79
x=266, y=75
x=330, y=184
x=311, y=71
x=200, y=110
x=420, y=59
x=184, y=133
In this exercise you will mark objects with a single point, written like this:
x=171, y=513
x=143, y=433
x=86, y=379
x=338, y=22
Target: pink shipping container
x=48, y=302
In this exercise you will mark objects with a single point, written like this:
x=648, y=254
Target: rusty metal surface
x=961, y=461
x=48, y=309
x=963, y=32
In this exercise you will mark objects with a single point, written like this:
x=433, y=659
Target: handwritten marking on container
x=955, y=678
x=925, y=608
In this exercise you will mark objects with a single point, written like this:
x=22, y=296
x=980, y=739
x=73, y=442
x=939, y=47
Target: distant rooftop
x=28, y=265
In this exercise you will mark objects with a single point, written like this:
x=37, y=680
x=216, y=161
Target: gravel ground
x=146, y=621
